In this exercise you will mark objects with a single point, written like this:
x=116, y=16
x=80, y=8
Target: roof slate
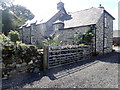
x=84, y=17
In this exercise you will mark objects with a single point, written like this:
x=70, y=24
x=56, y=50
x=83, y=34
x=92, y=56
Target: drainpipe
x=103, y=30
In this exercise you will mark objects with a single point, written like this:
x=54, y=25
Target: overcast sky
x=46, y=8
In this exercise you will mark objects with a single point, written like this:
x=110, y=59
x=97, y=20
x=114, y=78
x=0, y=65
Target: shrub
x=52, y=41
x=3, y=38
x=85, y=38
x=14, y=36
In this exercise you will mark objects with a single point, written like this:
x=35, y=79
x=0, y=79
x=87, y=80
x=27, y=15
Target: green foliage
x=21, y=12
x=3, y=38
x=85, y=38
x=14, y=36
x=52, y=41
x=39, y=46
x=20, y=43
x=6, y=21
x=14, y=16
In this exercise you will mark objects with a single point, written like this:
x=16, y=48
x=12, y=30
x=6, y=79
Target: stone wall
x=33, y=34
x=26, y=35
x=99, y=35
x=104, y=34
x=108, y=34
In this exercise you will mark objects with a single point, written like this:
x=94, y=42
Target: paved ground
x=98, y=72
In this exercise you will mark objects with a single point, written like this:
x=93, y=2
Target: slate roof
x=84, y=17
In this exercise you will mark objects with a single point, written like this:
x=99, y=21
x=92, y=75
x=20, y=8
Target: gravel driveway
x=97, y=72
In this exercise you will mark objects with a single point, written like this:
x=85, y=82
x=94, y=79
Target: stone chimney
x=100, y=6
x=60, y=5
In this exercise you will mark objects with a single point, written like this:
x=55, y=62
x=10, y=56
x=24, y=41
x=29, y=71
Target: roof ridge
x=82, y=10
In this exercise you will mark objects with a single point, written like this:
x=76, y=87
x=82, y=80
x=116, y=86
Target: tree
x=21, y=11
x=14, y=16
x=20, y=15
x=5, y=4
x=6, y=21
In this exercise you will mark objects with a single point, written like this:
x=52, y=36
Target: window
x=105, y=22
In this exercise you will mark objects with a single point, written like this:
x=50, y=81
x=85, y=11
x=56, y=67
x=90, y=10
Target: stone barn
x=67, y=24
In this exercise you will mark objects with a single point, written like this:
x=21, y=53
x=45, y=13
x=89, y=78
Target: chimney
x=60, y=5
x=100, y=6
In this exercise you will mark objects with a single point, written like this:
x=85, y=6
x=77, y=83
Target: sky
x=47, y=8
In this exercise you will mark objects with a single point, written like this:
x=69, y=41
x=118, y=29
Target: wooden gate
x=55, y=56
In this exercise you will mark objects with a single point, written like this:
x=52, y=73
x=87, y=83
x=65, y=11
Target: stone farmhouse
x=67, y=24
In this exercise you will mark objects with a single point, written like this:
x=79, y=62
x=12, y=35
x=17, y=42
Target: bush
x=3, y=38
x=14, y=36
x=85, y=38
x=52, y=41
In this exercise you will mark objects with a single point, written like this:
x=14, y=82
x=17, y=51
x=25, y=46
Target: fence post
x=45, y=57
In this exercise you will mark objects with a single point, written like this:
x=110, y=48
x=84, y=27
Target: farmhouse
x=67, y=24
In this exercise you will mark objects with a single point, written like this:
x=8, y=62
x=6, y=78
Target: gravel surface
x=97, y=72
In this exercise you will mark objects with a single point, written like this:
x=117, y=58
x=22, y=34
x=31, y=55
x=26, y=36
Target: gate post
x=45, y=57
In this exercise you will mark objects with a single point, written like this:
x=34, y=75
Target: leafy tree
x=21, y=12
x=6, y=21
x=13, y=16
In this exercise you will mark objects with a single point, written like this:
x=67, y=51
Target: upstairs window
x=105, y=21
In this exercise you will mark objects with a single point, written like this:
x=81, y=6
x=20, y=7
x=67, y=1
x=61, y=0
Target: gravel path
x=98, y=72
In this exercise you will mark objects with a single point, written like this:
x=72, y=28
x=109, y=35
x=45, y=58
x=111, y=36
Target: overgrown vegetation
x=52, y=41
x=85, y=38
x=13, y=16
